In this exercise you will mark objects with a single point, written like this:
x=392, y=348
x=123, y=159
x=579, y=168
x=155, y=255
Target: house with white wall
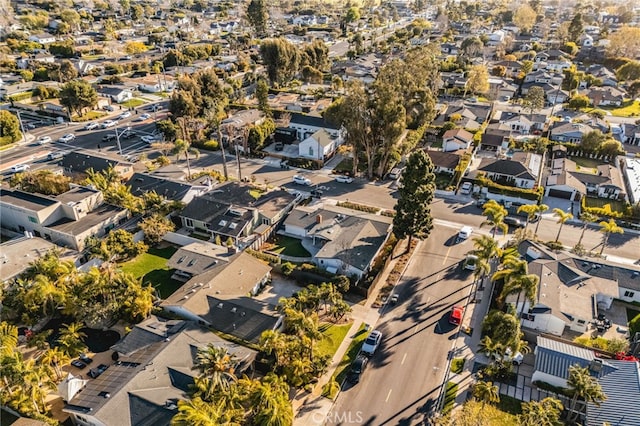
x=306, y=125
x=456, y=139
x=319, y=146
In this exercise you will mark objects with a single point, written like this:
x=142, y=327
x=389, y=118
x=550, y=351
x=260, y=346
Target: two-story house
x=306, y=125
x=321, y=145
x=66, y=219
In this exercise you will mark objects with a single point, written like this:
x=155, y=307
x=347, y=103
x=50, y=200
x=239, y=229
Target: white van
x=395, y=173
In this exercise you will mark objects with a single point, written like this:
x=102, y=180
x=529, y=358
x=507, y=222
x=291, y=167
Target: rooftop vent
x=596, y=365
x=220, y=305
x=104, y=394
x=233, y=310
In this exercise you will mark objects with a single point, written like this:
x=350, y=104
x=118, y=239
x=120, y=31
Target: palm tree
x=8, y=338
x=541, y=209
x=55, y=358
x=527, y=284
x=196, y=412
x=495, y=214
x=485, y=249
x=586, y=219
x=270, y=402
x=486, y=392
x=608, y=228
x=488, y=347
x=543, y=413
x=583, y=386
x=562, y=218
x=217, y=365
x=70, y=340
x=531, y=210
x=183, y=147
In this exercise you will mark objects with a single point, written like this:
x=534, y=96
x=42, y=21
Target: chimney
x=319, y=219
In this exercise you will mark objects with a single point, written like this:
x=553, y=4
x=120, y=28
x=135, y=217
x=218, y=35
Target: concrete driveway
x=280, y=287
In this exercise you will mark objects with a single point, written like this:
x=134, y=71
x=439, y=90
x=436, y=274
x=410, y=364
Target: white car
x=67, y=138
x=124, y=115
x=370, y=345
x=471, y=262
x=301, y=180
x=91, y=125
x=466, y=187
x=142, y=117
x=44, y=139
x=343, y=179
x=109, y=123
x=464, y=233
x=148, y=139
x=20, y=168
x=507, y=357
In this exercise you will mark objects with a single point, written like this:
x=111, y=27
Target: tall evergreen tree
x=257, y=16
x=413, y=211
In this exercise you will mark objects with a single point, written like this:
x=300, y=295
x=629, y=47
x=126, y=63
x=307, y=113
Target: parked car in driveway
x=67, y=138
x=357, y=368
x=343, y=179
x=370, y=345
x=301, y=180
x=466, y=188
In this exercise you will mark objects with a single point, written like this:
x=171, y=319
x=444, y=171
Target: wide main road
x=402, y=382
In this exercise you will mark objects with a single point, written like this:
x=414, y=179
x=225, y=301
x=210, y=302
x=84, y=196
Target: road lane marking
x=446, y=256
x=403, y=359
x=388, y=395
x=415, y=329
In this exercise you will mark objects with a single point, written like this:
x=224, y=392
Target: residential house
x=456, y=139
x=235, y=128
x=306, y=125
x=524, y=124
x=604, y=181
x=170, y=189
x=513, y=68
x=444, y=162
x=78, y=163
x=566, y=131
x=196, y=258
x=343, y=241
x=567, y=297
x=319, y=146
x=155, y=368
x=42, y=38
x=221, y=297
x=555, y=95
x=631, y=169
x=601, y=72
x=630, y=134
x=34, y=60
x=619, y=380
x=230, y=211
x=501, y=89
x=496, y=137
x=605, y=96
x=115, y=93
x=522, y=170
x=66, y=219
x=469, y=116
x=155, y=83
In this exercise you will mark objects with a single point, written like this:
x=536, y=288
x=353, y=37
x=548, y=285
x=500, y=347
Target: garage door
x=560, y=194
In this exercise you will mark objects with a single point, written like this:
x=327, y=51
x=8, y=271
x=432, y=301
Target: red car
x=455, y=317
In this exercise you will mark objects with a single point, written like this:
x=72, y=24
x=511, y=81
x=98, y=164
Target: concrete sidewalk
x=311, y=408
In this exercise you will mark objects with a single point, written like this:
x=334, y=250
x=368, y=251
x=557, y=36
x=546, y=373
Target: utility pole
x=118, y=138
x=24, y=135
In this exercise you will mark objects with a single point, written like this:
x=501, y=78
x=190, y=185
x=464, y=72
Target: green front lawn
x=351, y=354
x=587, y=165
x=289, y=247
x=457, y=365
x=629, y=108
x=616, y=206
x=332, y=337
x=133, y=103
x=91, y=115
x=152, y=268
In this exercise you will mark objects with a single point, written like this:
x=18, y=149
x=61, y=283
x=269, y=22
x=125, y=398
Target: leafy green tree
x=534, y=100
x=524, y=17
x=542, y=413
x=9, y=126
x=584, y=387
x=78, y=95
x=413, y=211
x=562, y=218
x=118, y=245
x=257, y=16
x=477, y=80
x=70, y=17
x=155, y=227
x=352, y=15
x=262, y=95
x=608, y=228
x=281, y=58
x=137, y=12
x=576, y=28
x=316, y=54
x=26, y=75
x=625, y=42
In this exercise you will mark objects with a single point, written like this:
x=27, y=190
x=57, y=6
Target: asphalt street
x=402, y=381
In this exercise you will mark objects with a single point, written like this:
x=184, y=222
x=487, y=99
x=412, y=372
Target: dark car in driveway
x=357, y=368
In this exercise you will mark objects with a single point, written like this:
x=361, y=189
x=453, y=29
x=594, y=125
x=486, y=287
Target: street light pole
x=24, y=135
x=118, y=139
